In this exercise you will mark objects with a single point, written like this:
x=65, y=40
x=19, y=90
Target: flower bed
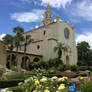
x=44, y=84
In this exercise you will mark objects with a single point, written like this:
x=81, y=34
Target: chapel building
x=45, y=39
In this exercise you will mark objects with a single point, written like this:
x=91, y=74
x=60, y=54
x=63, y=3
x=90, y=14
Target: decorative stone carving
x=48, y=17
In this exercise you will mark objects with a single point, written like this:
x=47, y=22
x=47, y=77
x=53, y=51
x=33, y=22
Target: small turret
x=72, y=26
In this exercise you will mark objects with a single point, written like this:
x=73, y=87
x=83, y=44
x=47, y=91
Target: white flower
x=5, y=90
x=20, y=83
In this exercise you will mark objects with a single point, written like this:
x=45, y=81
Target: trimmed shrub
x=74, y=68
x=18, y=75
x=83, y=68
x=14, y=68
x=46, y=64
x=9, y=83
x=90, y=68
x=62, y=67
x=16, y=89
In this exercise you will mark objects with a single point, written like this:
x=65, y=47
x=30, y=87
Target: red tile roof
x=29, y=53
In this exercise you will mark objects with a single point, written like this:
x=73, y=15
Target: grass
x=19, y=75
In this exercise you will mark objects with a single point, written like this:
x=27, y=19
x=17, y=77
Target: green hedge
x=18, y=75
x=83, y=68
x=9, y=83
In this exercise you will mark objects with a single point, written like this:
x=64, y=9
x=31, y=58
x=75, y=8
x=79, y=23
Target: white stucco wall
x=47, y=42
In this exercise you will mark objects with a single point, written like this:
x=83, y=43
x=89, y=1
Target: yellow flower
x=65, y=78
x=54, y=78
x=62, y=86
x=46, y=90
x=37, y=82
x=61, y=79
x=43, y=79
x=47, y=87
x=81, y=78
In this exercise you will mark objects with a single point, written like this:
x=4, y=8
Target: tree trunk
x=10, y=61
x=82, y=54
x=25, y=46
x=17, y=56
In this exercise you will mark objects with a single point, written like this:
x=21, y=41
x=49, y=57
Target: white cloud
x=82, y=9
x=56, y=3
x=36, y=26
x=1, y=36
x=34, y=16
x=85, y=37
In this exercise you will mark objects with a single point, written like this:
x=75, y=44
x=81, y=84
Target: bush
x=46, y=64
x=62, y=67
x=18, y=75
x=39, y=64
x=83, y=68
x=86, y=86
x=74, y=68
x=16, y=89
x=9, y=83
x=90, y=68
x=14, y=68
x=54, y=62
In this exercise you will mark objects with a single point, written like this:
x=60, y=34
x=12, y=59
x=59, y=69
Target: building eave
x=27, y=53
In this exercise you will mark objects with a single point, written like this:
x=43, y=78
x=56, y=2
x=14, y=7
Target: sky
x=30, y=13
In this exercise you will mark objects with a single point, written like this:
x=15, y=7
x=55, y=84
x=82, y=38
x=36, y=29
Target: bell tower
x=48, y=16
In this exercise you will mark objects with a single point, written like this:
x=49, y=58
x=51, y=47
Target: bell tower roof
x=48, y=16
x=48, y=13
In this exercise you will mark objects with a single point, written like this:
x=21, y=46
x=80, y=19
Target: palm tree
x=18, y=38
x=9, y=41
x=59, y=48
x=27, y=40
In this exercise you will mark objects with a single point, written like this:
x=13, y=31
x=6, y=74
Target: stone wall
x=2, y=53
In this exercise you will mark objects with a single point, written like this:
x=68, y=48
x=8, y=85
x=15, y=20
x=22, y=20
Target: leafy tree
x=59, y=48
x=27, y=40
x=90, y=57
x=18, y=38
x=83, y=49
x=9, y=41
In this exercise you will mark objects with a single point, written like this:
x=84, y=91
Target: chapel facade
x=45, y=39
x=51, y=32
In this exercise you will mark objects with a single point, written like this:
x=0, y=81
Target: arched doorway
x=67, y=60
x=11, y=61
x=25, y=62
x=36, y=59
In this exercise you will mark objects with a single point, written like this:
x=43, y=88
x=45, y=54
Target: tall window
x=38, y=46
x=44, y=32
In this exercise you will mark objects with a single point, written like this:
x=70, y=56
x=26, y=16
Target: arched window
x=11, y=61
x=25, y=62
x=36, y=59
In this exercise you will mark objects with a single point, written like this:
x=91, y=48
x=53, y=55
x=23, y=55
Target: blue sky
x=29, y=15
